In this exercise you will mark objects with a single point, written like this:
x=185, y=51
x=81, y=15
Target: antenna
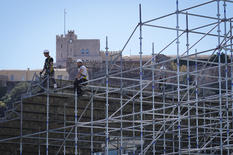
x=64, y=22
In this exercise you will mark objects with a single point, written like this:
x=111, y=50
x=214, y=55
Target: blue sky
x=29, y=26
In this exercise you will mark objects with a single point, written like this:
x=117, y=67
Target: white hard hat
x=79, y=60
x=46, y=51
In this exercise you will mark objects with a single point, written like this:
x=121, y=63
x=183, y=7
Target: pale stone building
x=27, y=75
x=69, y=46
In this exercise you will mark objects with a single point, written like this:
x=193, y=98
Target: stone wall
x=69, y=46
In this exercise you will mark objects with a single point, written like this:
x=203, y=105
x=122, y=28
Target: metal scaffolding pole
x=196, y=104
x=76, y=120
x=220, y=78
x=231, y=48
x=64, y=147
x=92, y=119
x=164, y=119
x=153, y=94
x=178, y=76
x=121, y=101
x=134, y=127
x=188, y=81
x=141, y=75
x=21, y=126
x=107, y=104
x=173, y=128
x=226, y=77
x=47, y=116
x=204, y=121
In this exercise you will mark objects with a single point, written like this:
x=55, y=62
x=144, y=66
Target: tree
x=214, y=58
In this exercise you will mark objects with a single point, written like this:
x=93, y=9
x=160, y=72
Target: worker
x=82, y=76
x=48, y=68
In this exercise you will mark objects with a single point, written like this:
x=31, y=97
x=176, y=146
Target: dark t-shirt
x=48, y=65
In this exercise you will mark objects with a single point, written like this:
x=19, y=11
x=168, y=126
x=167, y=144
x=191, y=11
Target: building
x=27, y=75
x=69, y=46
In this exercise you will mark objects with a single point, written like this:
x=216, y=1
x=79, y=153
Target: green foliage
x=15, y=93
x=214, y=58
x=183, y=68
x=2, y=104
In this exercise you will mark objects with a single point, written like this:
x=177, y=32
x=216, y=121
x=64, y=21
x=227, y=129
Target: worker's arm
x=43, y=70
x=79, y=74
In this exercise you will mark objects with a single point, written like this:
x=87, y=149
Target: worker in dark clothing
x=48, y=68
x=81, y=77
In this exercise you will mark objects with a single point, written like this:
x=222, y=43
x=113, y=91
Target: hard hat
x=46, y=51
x=79, y=60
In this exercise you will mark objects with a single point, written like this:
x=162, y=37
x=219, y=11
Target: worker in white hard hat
x=48, y=68
x=82, y=76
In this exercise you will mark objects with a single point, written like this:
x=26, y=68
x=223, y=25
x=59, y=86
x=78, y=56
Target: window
x=23, y=79
x=12, y=78
x=85, y=51
x=82, y=51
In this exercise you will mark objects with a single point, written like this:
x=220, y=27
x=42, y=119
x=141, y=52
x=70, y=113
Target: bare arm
x=42, y=70
x=79, y=74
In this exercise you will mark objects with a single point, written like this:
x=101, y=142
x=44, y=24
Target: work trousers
x=51, y=79
x=78, y=86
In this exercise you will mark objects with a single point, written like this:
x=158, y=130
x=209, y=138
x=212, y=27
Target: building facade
x=69, y=46
x=27, y=75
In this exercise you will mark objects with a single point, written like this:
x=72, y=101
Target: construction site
x=162, y=105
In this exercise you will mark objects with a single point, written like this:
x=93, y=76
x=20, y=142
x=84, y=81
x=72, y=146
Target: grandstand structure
x=162, y=110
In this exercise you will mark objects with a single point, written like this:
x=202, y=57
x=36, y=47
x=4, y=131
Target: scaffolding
x=162, y=110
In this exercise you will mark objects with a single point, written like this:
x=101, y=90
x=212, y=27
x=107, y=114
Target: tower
x=70, y=47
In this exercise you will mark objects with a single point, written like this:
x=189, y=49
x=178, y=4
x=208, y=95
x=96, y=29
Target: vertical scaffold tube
x=219, y=78
x=204, y=121
x=76, y=120
x=173, y=128
x=196, y=94
x=64, y=147
x=164, y=113
x=21, y=126
x=178, y=76
x=121, y=97
x=106, y=113
x=141, y=109
x=47, y=118
x=134, y=127
x=226, y=77
x=188, y=79
x=231, y=71
x=92, y=146
x=153, y=94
